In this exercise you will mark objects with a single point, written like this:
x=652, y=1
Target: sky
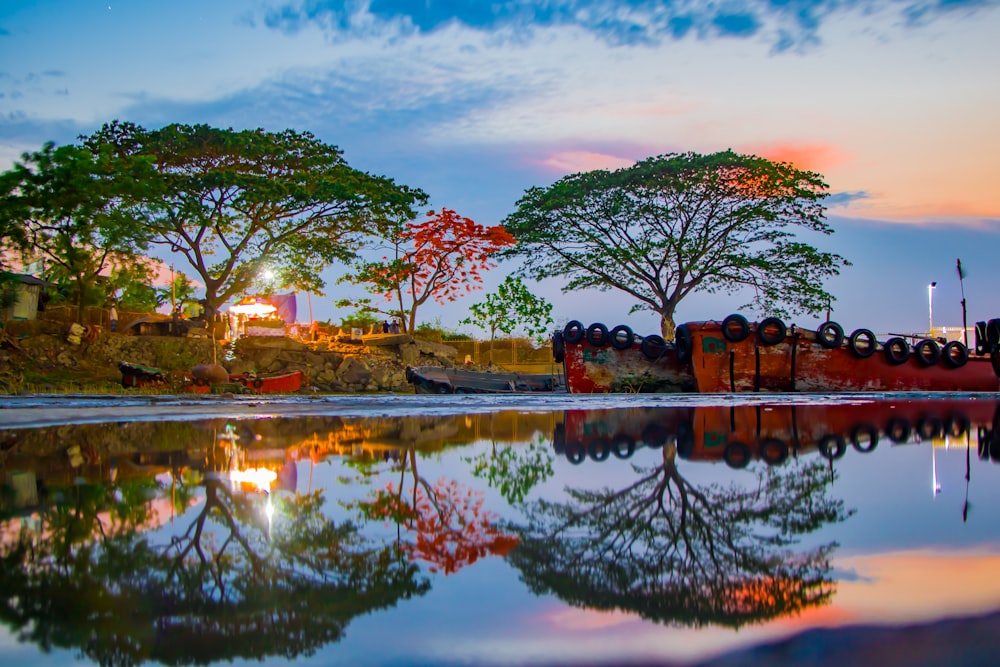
x=894, y=102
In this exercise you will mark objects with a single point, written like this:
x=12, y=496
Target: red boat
x=136, y=375
x=737, y=356
x=738, y=434
x=597, y=360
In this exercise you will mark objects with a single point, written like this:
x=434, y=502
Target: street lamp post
x=930, y=308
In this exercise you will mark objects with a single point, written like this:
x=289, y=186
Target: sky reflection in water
x=494, y=535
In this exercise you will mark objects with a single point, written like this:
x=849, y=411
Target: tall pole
x=961, y=281
x=930, y=309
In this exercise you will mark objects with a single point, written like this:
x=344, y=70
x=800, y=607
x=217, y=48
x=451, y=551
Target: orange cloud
x=571, y=162
x=812, y=157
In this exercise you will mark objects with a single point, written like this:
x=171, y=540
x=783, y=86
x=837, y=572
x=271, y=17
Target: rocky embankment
x=43, y=358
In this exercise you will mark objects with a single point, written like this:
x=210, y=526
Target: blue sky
x=894, y=102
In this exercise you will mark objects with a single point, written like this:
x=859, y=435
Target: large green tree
x=676, y=224
x=70, y=205
x=236, y=202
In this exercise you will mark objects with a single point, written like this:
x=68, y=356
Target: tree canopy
x=234, y=202
x=441, y=258
x=676, y=224
x=511, y=306
x=71, y=216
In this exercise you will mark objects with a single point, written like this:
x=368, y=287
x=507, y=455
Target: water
x=497, y=530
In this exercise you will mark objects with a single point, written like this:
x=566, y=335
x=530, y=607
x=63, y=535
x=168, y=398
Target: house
x=25, y=291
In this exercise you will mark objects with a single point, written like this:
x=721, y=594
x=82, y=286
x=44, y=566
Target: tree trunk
x=667, y=326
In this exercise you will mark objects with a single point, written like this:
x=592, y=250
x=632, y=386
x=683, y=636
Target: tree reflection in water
x=682, y=555
x=444, y=522
x=226, y=587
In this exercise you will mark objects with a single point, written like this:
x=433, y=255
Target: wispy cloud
x=785, y=24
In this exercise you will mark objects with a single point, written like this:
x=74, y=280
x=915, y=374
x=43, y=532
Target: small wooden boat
x=441, y=380
x=735, y=356
x=136, y=375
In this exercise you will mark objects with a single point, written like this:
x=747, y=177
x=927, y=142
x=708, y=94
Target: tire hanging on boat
x=771, y=331
x=773, y=451
x=574, y=331
x=871, y=343
x=832, y=446
x=897, y=351
x=955, y=354
x=597, y=334
x=928, y=352
x=621, y=337
x=830, y=335
x=258, y=383
x=737, y=455
x=864, y=438
x=654, y=347
x=683, y=343
x=735, y=328
x=558, y=348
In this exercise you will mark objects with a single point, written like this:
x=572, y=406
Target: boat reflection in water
x=223, y=539
x=772, y=432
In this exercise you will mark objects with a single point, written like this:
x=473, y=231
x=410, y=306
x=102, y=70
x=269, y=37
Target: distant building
x=26, y=293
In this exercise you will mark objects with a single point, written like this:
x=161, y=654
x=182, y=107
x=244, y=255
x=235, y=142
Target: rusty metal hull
x=738, y=434
x=800, y=363
x=596, y=370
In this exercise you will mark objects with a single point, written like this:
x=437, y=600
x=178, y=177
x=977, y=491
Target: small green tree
x=511, y=307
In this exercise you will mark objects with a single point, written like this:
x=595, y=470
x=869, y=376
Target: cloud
x=786, y=24
x=812, y=157
x=571, y=162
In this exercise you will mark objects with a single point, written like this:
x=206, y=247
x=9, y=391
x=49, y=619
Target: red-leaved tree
x=441, y=258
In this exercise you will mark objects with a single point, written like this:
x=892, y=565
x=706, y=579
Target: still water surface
x=407, y=530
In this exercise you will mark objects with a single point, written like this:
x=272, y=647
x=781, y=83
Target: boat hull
x=441, y=380
x=604, y=368
x=798, y=362
x=135, y=376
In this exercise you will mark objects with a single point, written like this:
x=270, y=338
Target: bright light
x=268, y=274
x=261, y=478
x=930, y=308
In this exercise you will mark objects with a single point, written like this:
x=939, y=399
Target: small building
x=27, y=295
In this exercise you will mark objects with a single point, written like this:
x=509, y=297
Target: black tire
x=654, y=436
x=928, y=352
x=621, y=337
x=654, y=347
x=929, y=428
x=599, y=449
x=832, y=446
x=258, y=383
x=955, y=426
x=864, y=438
x=623, y=446
x=597, y=335
x=735, y=328
x=870, y=343
x=830, y=335
x=773, y=451
x=573, y=332
x=683, y=343
x=558, y=347
x=897, y=351
x=955, y=354
x=771, y=331
x=899, y=430
x=737, y=455
x=575, y=453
